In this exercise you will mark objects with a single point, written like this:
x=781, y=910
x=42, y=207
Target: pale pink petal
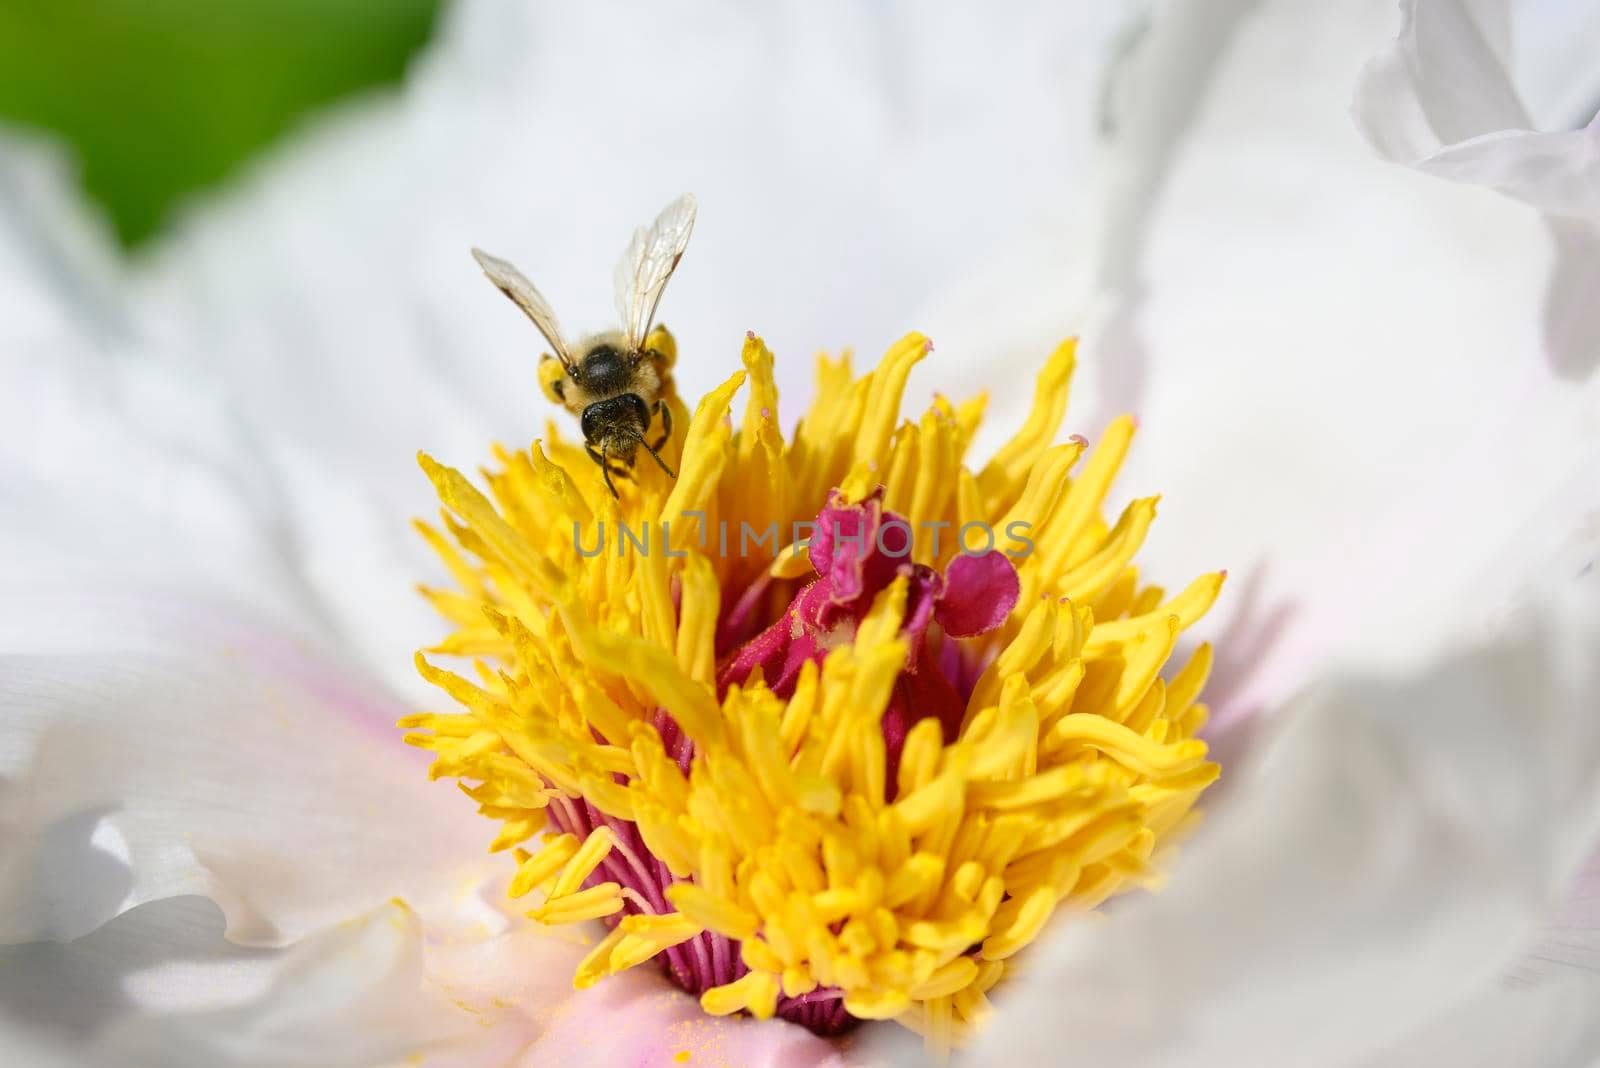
x=531, y=1015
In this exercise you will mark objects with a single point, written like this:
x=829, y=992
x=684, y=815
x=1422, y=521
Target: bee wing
x=511, y=282
x=649, y=261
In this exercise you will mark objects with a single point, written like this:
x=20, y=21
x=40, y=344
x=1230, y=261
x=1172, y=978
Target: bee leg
x=666, y=424
x=605, y=468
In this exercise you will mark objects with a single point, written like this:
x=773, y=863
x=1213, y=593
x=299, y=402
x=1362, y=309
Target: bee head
x=617, y=420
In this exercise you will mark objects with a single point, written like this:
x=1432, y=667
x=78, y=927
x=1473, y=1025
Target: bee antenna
x=657, y=457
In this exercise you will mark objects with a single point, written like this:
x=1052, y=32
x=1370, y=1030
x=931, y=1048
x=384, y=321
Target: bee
x=612, y=381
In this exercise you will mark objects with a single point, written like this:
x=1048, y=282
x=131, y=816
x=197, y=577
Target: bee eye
x=641, y=411
x=589, y=424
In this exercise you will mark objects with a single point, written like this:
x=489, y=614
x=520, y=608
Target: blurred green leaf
x=159, y=98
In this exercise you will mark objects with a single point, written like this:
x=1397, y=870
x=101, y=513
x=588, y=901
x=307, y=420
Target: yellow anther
x=534, y=870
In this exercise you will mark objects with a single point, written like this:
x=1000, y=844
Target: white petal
x=353, y=995
x=1539, y=1012
x=1442, y=98
x=117, y=467
x=1341, y=374
x=20, y=1045
x=1570, y=940
x=113, y=469
x=795, y=126
x=1389, y=856
x=1343, y=371
x=163, y=956
x=1552, y=48
x=1550, y=1024
x=1079, y=269
x=58, y=274
x=112, y=466
x=158, y=746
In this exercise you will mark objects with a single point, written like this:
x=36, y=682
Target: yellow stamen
x=906, y=892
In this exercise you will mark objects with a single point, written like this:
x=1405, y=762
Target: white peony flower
x=1366, y=392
